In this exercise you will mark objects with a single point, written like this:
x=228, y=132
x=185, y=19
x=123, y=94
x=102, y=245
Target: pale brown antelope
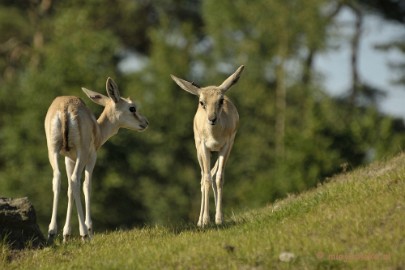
x=73, y=131
x=215, y=126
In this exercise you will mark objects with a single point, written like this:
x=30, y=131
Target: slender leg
x=203, y=156
x=206, y=156
x=70, y=164
x=87, y=192
x=200, y=219
x=77, y=171
x=53, y=159
x=214, y=186
x=219, y=181
x=219, y=185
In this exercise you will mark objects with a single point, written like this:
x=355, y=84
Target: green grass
x=355, y=221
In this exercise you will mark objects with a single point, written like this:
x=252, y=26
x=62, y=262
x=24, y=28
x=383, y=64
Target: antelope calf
x=215, y=126
x=73, y=131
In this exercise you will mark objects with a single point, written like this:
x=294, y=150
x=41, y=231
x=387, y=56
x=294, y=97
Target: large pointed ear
x=231, y=80
x=185, y=85
x=95, y=97
x=112, y=90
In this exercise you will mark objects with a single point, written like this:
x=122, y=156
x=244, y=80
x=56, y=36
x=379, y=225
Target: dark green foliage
x=390, y=9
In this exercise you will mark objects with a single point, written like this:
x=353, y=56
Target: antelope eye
x=202, y=103
x=221, y=101
x=132, y=109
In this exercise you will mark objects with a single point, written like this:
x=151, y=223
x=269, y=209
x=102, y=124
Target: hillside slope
x=356, y=220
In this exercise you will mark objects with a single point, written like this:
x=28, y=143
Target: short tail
x=65, y=129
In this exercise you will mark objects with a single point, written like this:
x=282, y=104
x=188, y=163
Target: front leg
x=219, y=181
x=204, y=157
x=200, y=218
x=200, y=162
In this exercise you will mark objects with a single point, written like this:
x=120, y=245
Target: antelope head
x=121, y=111
x=212, y=99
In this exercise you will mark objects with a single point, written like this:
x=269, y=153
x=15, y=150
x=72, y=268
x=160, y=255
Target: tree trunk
x=280, y=105
x=356, y=84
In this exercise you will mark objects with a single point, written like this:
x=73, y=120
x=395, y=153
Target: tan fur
x=68, y=107
x=215, y=125
x=73, y=131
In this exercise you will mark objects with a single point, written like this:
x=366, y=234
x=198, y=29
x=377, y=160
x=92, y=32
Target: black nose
x=212, y=121
x=144, y=125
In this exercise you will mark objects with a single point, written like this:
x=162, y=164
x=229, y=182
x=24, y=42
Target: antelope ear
x=188, y=86
x=231, y=80
x=95, y=97
x=112, y=90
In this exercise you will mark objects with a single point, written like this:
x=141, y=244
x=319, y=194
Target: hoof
x=206, y=220
x=203, y=223
x=218, y=220
x=85, y=238
x=66, y=238
x=51, y=239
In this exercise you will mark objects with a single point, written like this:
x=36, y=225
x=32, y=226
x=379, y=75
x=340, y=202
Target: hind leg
x=87, y=191
x=75, y=184
x=70, y=164
x=53, y=159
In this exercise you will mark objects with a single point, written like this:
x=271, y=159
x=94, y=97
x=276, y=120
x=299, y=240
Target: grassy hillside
x=356, y=220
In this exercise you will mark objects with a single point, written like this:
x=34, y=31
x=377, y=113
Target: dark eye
x=202, y=104
x=221, y=101
x=132, y=109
